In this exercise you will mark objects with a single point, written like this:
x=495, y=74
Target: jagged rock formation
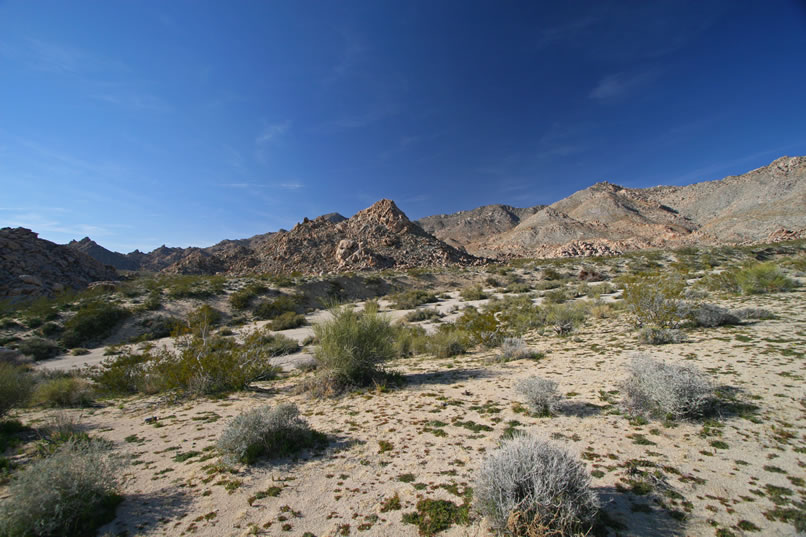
x=102, y=255
x=30, y=266
x=469, y=229
x=375, y=238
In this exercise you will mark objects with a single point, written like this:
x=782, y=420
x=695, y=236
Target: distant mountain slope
x=607, y=218
x=30, y=266
x=466, y=229
x=102, y=255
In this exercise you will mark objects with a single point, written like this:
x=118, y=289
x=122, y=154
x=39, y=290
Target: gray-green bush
x=15, y=386
x=530, y=487
x=267, y=432
x=541, y=394
x=667, y=391
x=70, y=493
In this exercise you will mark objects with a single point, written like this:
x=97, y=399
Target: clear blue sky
x=151, y=122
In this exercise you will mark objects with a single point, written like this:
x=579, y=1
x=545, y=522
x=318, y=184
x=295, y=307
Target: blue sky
x=185, y=123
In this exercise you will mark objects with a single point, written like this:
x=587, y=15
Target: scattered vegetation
x=39, y=348
x=15, y=387
x=92, y=322
x=408, y=300
x=541, y=395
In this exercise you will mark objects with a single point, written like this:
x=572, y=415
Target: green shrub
x=556, y=296
x=15, y=387
x=267, y=432
x=410, y=340
x=64, y=391
x=353, y=345
x=447, y=342
x=50, y=329
x=271, y=309
x=473, y=293
x=38, y=348
x=240, y=300
x=656, y=301
x=422, y=314
x=483, y=328
x=71, y=493
x=762, y=278
x=565, y=318
x=408, y=300
x=194, y=286
x=288, y=320
x=92, y=322
x=652, y=335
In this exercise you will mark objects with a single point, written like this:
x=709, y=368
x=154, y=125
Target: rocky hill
x=376, y=238
x=30, y=266
x=470, y=229
x=102, y=255
x=607, y=219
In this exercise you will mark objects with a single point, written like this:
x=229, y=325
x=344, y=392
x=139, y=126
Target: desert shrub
x=70, y=493
x=158, y=326
x=565, y=318
x=92, y=322
x=408, y=300
x=198, y=366
x=39, y=348
x=482, y=327
x=202, y=320
x=517, y=314
x=372, y=306
x=352, y=345
x=288, y=320
x=746, y=314
x=709, y=316
x=656, y=301
x=65, y=391
x=267, y=432
x=541, y=394
x=652, y=335
x=517, y=288
x=762, y=278
x=670, y=391
x=50, y=329
x=556, y=296
x=423, y=314
x=514, y=348
x=79, y=351
x=448, y=342
x=474, y=292
x=194, y=286
x=530, y=487
x=271, y=309
x=240, y=300
x=15, y=386
x=492, y=281
x=410, y=340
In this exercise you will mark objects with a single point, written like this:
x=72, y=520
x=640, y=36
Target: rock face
x=376, y=238
x=30, y=266
x=470, y=229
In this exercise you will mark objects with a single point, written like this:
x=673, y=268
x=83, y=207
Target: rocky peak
x=385, y=213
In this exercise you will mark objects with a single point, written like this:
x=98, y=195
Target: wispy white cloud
x=618, y=85
x=136, y=100
x=352, y=51
x=289, y=186
x=272, y=132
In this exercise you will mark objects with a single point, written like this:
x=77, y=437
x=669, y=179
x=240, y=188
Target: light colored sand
x=348, y=482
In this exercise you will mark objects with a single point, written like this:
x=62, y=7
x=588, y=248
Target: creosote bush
x=267, y=432
x=656, y=301
x=474, y=292
x=271, y=309
x=70, y=493
x=15, y=386
x=652, y=335
x=92, y=322
x=762, y=278
x=39, y=348
x=408, y=300
x=514, y=348
x=354, y=345
x=530, y=487
x=667, y=391
x=288, y=320
x=63, y=391
x=541, y=395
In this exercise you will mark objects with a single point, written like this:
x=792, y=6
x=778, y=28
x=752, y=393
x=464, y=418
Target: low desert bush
x=39, y=348
x=50, y=329
x=410, y=340
x=353, y=345
x=271, y=309
x=555, y=296
x=565, y=318
x=482, y=327
x=709, y=316
x=288, y=320
x=423, y=314
x=762, y=278
x=194, y=286
x=447, y=342
x=541, y=395
x=747, y=314
x=529, y=487
x=63, y=391
x=92, y=322
x=241, y=299
x=656, y=301
x=70, y=493
x=514, y=348
x=474, y=292
x=158, y=326
x=408, y=300
x=15, y=386
x=668, y=391
x=652, y=335
x=267, y=432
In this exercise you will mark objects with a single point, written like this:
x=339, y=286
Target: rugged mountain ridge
x=30, y=266
x=102, y=255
